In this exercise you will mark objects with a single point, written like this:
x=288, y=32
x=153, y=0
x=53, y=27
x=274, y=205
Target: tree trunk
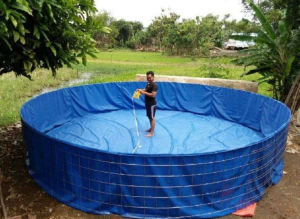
x=292, y=100
x=53, y=72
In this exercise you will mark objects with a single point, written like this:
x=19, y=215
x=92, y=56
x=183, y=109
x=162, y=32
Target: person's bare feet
x=148, y=130
x=150, y=135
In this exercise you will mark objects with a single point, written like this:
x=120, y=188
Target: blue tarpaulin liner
x=178, y=132
x=215, y=150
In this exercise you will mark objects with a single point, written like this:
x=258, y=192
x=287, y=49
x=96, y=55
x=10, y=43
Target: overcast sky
x=146, y=11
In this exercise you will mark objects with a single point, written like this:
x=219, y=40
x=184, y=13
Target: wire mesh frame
x=200, y=186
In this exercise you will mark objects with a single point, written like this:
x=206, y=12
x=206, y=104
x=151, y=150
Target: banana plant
x=276, y=54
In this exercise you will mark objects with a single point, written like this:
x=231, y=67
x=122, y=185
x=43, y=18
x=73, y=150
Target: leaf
x=3, y=28
x=2, y=7
x=7, y=43
x=49, y=10
x=253, y=71
x=284, y=31
x=288, y=67
x=256, y=59
x=16, y=35
x=106, y=30
x=57, y=45
x=46, y=61
x=27, y=66
x=35, y=5
x=262, y=19
x=13, y=20
x=264, y=81
x=282, y=26
x=89, y=21
x=295, y=44
x=92, y=54
x=7, y=14
x=21, y=29
x=43, y=27
x=53, y=50
x=22, y=7
x=22, y=40
x=264, y=78
x=45, y=35
x=80, y=54
x=36, y=32
x=263, y=38
x=48, y=44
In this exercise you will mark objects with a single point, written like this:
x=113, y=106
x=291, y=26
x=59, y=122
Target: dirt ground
x=22, y=196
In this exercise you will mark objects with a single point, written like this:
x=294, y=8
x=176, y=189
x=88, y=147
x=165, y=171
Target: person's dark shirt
x=150, y=87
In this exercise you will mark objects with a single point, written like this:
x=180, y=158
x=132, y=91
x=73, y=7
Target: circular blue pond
x=215, y=150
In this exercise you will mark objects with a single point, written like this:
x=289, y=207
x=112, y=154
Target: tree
x=192, y=37
x=277, y=56
x=211, y=30
x=161, y=25
x=141, y=38
x=272, y=10
x=126, y=29
x=136, y=27
x=104, y=38
x=137, y=35
x=45, y=34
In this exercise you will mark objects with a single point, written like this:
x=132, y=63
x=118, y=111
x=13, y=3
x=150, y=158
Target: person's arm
x=153, y=94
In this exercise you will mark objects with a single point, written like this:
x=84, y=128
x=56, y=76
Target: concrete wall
x=235, y=84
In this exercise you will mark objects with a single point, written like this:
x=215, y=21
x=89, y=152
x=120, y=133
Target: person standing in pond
x=150, y=92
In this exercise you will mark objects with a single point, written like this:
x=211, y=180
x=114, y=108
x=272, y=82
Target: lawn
x=123, y=65
x=15, y=91
x=119, y=65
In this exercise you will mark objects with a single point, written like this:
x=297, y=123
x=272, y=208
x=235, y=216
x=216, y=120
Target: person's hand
x=142, y=91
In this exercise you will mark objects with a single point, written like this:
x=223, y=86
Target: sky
x=146, y=11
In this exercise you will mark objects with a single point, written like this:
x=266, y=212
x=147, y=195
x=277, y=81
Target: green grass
x=139, y=57
x=119, y=65
x=15, y=91
x=123, y=65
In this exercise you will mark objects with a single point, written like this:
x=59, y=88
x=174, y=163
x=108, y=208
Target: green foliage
x=243, y=26
x=138, y=40
x=189, y=37
x=104, y=39
x=214, y=69
x=126, y=30
x=122, y=33
x=45, y=34
x=276, y=57
x=161, y=25
x=272, y=10
x=192, y=37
